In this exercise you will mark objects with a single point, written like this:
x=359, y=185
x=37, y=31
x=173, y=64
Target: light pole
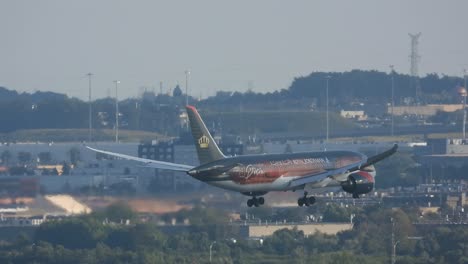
x=395, y=243
x=394, y=251
x=211, y=246
x=187, y=73
x=393, y=98
x=464, y=103
x=90, y=109
x=328, y=124
x=464, y=115
x=465, y=74
x=462, y=92
x=116, y=112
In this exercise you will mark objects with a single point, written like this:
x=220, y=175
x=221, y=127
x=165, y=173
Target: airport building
x=443, y=153
x=256, y=231
x=45, y=161
x=423, y=110
x=86, y=168
x=91, y=169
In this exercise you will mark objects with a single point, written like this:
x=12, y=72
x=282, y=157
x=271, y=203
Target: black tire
x=249, y=203
x=261, y=200
x=255, y=202
x=311, y=200
x=300, y=202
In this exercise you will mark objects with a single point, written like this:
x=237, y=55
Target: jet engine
x=360, y=182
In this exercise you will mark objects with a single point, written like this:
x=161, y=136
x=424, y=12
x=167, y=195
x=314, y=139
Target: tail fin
x=206, y=147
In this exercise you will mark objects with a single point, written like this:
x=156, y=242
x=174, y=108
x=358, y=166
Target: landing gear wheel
x=261, y=200
x=300, y=202
x=306, y=201
x=355, y=195
x=255, y=202
x=311, y=200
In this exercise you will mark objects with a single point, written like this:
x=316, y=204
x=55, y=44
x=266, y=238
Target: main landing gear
x=254, y=201
x=306, y=201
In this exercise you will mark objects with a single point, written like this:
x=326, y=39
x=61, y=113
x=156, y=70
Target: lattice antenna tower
x=415, y=58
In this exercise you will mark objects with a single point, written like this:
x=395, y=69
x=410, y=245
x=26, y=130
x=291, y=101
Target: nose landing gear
x=254, y=201
x=306, y=201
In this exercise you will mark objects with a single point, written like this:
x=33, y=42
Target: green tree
x=177, y=91
x=335, y=213
x=70, y=233
x=119, y=212
x=319, y=242
x=283, y=241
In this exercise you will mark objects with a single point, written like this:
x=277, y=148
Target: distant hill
x=10, y=95
x=374, y=86
x=7, y=95
x=299, y=107
x=349, y=90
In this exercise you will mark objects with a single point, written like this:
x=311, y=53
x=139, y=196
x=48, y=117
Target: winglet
x=374, y=159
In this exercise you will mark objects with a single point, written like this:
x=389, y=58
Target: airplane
x=256, y=175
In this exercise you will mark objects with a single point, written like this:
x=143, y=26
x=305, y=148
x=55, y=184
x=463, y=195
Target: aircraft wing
x=314, y=178
x=374, y=159
x=148, y=162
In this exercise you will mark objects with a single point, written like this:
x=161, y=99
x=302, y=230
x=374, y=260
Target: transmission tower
x=415, y=58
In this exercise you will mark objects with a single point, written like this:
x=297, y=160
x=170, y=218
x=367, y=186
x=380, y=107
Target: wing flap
x=148, y=162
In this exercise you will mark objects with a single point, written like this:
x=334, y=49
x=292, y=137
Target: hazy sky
x=50, y=45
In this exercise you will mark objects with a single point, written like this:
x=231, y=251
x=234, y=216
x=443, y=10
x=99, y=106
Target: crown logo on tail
x=203, y=142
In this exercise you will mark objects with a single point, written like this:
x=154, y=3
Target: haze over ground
x=50, y=45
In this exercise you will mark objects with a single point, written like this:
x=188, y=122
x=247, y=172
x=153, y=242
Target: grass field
x=250, y=123
x=312, y=124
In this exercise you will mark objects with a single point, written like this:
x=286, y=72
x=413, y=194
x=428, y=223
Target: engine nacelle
x=359, y=183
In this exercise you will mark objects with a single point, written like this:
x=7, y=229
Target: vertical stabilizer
x=207, y=148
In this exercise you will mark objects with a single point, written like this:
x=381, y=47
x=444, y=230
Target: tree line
x=106, y=237
x=160, y=112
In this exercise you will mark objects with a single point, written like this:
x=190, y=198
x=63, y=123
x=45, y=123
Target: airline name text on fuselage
x=320, y=162
x=250, y=170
